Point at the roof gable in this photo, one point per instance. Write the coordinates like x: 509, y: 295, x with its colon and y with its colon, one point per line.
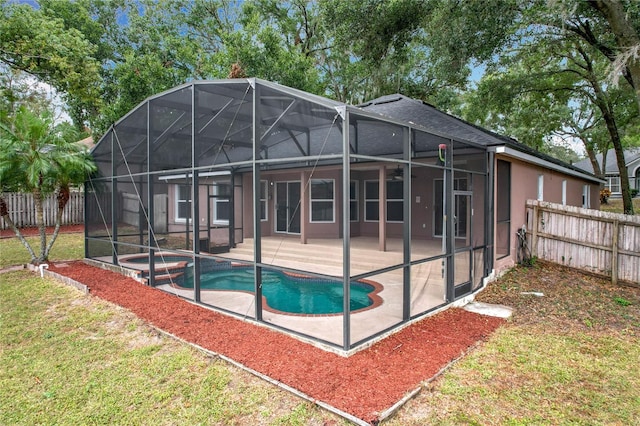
x: 631, y: 155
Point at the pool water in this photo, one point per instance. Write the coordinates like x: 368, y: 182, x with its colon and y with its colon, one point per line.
x: 289, y: 294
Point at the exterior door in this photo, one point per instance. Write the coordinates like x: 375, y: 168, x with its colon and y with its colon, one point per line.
x: 288, y: 207
x: 463, y: 249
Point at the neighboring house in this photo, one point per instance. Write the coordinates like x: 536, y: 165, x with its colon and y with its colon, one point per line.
x: 393, y: 194
x: 87, y: 142
x: 612, y: 173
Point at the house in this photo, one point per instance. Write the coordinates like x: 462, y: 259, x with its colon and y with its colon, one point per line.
x: 334, y: 222
x: 612, y: 173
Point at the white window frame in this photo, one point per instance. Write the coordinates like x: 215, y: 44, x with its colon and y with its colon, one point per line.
x: 371, y: 200
x: 614, y: 184
x: 217, y: 201
x: 586, y: 197
x: 315, y: 201
x: 354, y: 200
x: 394, y: 200
x: 178, y: 201
x: 540, y: 187
x: 564, y: 192
x: 264, y: 200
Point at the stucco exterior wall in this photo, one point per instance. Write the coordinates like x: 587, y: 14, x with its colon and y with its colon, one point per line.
x: 524, y: 186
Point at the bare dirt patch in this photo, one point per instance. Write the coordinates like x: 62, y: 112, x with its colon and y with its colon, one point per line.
x: 570, y: 300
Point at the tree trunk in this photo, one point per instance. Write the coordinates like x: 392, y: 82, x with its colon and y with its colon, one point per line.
x: 626, y: 36
x: 4, y: 212
x: 597, y: 170
x: 619, y: 150
x: 62, y: 197
x: 38, y: 201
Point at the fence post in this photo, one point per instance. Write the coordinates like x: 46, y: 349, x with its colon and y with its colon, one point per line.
x: 534, y: 231
x: 614, y: 253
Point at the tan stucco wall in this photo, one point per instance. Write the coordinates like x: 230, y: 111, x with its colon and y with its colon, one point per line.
x: 524, y: 186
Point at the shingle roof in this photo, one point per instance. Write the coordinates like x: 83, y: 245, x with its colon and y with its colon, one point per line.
x: 418, y: 112
x: 411, y: 110
x: 611, y: 168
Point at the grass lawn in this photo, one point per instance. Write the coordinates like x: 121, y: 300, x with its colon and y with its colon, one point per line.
x: 614, y: 205
x: 569, y: 357
x: 66, y: 247
x: 68, y: 359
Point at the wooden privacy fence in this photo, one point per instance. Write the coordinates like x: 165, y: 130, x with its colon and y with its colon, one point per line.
x: 603, y: 243
x: 23, y: 212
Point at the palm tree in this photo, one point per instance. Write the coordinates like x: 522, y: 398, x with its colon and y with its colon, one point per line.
x: 40, y: 158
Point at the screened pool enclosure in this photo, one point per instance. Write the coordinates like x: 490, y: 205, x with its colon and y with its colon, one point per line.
x: 273, y: 204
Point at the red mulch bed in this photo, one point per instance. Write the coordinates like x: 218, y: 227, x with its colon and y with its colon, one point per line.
x: 29, y: 232
x: 364, y: 384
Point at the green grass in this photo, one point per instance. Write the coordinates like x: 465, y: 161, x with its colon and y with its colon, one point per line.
x: 566, y: 358
x: 614, y: 205
x: 577, y: 379
x: 66, y: 247
x: 69, y: 359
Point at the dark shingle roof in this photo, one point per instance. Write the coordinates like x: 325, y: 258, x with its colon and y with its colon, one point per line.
x: 418, y: 112
x: 611, y: 168
x: 412, y: 110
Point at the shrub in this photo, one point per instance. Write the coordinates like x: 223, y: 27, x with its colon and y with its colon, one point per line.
x: 604, y: 195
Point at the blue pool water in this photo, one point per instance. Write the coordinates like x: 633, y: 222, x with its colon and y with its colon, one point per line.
x: 289, y: 294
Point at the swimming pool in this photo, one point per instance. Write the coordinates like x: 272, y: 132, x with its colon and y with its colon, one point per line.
x: 290, y: 294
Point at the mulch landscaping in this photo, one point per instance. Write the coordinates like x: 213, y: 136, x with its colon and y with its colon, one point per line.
x: 363, y: 385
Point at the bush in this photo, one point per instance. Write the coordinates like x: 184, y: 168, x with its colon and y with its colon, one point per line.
x: 604, y: 195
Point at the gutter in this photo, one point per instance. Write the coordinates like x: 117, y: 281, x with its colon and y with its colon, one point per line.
x: 510, y: 152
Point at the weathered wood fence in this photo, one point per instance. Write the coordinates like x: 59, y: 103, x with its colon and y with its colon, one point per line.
x: 602, y: 243
x: 23, y: 213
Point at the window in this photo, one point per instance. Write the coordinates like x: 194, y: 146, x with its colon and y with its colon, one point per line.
x: 353, y: 201
x: 221, y: 192
x: 613, y: 183
x: 540, y: 187
x: 322, y: 204
x: 586, y: 197
x: 264, y: 195
x: 371, y: 211
x: 395, y: 201
x: 564, y: 192
x: 183, y: 203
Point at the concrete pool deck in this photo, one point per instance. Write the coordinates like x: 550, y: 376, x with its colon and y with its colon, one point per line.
x: 324, y: 256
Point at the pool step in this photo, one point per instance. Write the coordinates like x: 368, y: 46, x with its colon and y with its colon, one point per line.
x: 300, y: 257
x: 166, y: 274
x: 167, y: 278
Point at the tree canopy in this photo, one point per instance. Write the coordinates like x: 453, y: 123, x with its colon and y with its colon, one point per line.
x: 40, y: 158
x: 553, y: 70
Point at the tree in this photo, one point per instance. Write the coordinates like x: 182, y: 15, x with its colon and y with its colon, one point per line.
x: 32, y: 42
x: 378, y: 47
x: 583, y: 34
x: 554, y: 88
x: 40, y: 159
